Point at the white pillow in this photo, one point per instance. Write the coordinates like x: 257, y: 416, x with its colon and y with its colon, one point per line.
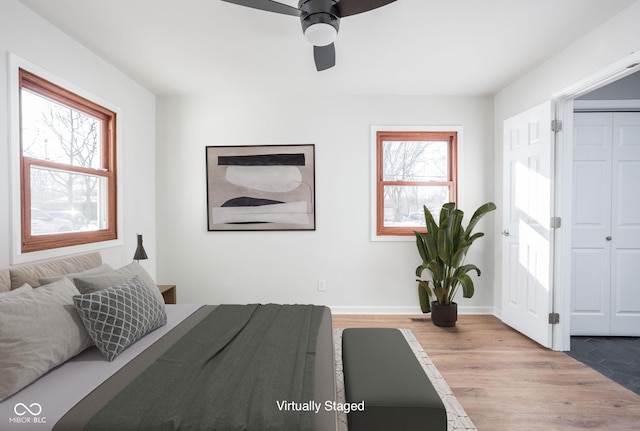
x: 18, y: 291
x: 39, y: 330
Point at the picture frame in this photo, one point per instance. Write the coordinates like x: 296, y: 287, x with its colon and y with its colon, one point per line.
x: 261, y: 187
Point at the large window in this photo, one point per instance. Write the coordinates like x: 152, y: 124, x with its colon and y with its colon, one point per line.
x: 68, y: 167
x: 413, y: 169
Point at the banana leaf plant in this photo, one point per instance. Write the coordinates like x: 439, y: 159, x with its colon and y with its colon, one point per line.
x: 443, y: 248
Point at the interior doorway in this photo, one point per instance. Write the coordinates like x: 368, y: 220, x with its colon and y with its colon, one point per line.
x: 566, y: 100
x: 519, y: 293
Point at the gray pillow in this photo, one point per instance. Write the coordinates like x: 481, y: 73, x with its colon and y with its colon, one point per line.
x: 93, y: 283
x: 39, y: 330
x: 102, y: 269
x: 19, y: 291
x: 119, y: 316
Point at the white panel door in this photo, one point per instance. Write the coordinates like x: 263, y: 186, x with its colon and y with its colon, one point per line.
x: 625, y: 231
x: 591, y: 224
x: 526, y: 251
x: 605, y: 293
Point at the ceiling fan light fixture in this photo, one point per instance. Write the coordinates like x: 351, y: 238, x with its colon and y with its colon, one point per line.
x: 320, y: 21
x: 321, y: 34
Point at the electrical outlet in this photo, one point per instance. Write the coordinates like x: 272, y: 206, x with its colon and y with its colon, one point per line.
x: 322, y: 285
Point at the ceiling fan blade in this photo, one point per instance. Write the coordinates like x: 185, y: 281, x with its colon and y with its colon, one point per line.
x: 353, y: 7
x: 325, y: 56
x: 268, y: 5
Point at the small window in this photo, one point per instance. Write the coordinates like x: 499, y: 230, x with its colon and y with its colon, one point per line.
x: 413, y: 169
x: 68, y: 167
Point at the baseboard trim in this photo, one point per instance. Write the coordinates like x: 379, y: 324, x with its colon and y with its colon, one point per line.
x: 345, y: 309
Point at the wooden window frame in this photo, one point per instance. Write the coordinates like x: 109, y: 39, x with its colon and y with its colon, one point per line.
x: 452, y: 173
x: 107, y: 170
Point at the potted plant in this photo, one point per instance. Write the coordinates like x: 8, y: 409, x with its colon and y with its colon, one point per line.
x: 443, y: 248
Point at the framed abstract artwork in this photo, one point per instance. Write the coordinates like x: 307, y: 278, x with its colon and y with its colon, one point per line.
x: 261, y: 187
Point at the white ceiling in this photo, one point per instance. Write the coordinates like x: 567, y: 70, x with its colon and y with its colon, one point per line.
x: 453, y: 47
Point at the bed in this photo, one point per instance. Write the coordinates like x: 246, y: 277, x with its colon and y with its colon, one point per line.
x: 184, y: 366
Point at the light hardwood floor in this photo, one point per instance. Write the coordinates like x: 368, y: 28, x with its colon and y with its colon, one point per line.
x: 507, y: 382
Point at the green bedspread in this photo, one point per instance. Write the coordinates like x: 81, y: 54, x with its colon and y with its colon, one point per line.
x: 232, y: 371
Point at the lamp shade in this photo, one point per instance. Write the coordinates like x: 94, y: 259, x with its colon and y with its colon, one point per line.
x: 140, y: 254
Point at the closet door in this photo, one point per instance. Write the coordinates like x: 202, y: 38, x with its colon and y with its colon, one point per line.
x: 591, y: 224
x: 605, y: 291
x: 625, y: 232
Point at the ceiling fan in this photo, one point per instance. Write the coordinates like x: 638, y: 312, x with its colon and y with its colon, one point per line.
x: 320, y: 21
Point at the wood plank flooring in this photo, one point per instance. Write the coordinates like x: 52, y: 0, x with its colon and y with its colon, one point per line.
x: 506, y: 382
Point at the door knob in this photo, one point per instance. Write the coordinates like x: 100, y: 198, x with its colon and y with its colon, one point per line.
x: 505, y: 232
x: 608, y: 238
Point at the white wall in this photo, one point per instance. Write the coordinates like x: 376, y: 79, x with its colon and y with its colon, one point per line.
x: 26, y: 35
x: 239, y: 267
x: 605, y: 45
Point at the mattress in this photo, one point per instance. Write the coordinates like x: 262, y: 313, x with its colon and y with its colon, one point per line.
x: 42, y: 404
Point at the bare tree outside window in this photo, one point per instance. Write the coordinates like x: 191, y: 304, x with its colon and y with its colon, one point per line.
x: 413, y: 161
x: 68, y: 175
x: 414, y: 169
x: 58, y: 133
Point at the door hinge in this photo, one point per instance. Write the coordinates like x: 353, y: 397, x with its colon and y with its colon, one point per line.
x: 556, y: 222
x: 556, y: 125
x: 554, y: 318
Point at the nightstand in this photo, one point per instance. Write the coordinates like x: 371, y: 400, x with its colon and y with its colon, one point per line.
x: 168, y: 293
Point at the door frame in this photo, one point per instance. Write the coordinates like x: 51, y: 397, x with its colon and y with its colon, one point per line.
x: 563, y: 173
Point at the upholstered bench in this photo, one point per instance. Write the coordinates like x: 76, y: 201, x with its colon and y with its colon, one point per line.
x: 381, y: 369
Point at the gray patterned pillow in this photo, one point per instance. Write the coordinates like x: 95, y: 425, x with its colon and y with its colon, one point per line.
x: 119, y: 316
